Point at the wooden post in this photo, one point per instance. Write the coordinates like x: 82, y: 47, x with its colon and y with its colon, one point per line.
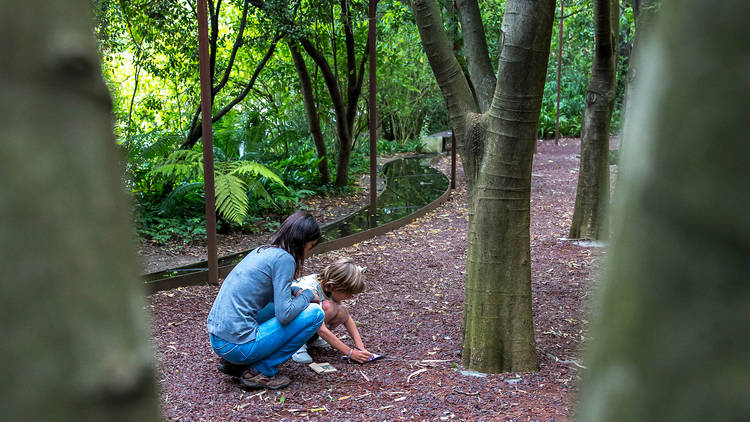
x: 373, y: 110
x: 208, y: 154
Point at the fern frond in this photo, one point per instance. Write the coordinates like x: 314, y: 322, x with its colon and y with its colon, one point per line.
x: 256, y: 189
x: 231, y: 197
x: 160, y: 147
x: 149, y: 146
x: 255, y: 169
x: 180, y: 195
x: 181, y: 165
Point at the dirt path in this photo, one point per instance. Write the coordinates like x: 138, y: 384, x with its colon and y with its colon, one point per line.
x: 411, y: 311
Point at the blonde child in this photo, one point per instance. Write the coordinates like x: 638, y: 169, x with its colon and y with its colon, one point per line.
x: 336, y: 283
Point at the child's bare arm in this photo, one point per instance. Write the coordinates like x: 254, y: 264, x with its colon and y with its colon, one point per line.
x: 351, y: 327
x: 353, y: 353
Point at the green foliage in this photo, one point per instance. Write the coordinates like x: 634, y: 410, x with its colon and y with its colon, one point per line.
x: 299, y: 170
x: 234, y: 181
x: 155, y: 224
x: 265, y: 160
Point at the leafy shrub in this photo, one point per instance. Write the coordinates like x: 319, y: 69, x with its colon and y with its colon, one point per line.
x: 160, y: 227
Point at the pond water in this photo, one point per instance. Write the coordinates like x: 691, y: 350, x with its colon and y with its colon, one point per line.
x: 410, y: 185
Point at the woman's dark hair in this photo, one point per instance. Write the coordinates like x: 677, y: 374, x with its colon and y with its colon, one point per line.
x: 294, y: 233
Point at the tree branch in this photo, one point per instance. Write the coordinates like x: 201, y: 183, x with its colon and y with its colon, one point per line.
x: 450, y: 78
x: 237, y: 43
x: 477, y: 53
x: 331, y: 83
x: 195, y: 132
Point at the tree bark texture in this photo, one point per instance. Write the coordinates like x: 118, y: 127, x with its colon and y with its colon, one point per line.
x: 672, y: 327
x: 497, y: 150
x: 76, y: 338
x: 312, y: 115
x: 592, y: 194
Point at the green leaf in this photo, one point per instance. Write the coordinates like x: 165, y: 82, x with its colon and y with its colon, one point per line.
x: 254, y: 169
x: 231, y: 199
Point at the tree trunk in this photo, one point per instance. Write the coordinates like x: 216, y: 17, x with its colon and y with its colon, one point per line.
x: 345, y: 109
x: 672, y: 327
x: 76, y: 334
x: 312, y: 115
x: 644, y: 13
x: 497, y: 150
x: 592, y: 194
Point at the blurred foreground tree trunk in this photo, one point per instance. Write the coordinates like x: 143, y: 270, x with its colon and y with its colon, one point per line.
x: 672, y: 330
x: 592, y: 194
x: 75, y: 334
x: 496, y: 148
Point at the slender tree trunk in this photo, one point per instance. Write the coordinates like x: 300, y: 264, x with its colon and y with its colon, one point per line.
x: 592, y: 195
x: 496, y: 149
x: 672, y: 327
x: 76, y: 337
x: 312, y: 115
x: 345, y: 109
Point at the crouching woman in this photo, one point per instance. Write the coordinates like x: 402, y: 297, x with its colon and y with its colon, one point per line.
x: 250, y: 343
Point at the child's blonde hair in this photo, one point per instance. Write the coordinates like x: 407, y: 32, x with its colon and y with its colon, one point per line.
x: 342, y: 276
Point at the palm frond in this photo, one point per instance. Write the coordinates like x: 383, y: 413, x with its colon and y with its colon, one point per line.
x: 231, y: 197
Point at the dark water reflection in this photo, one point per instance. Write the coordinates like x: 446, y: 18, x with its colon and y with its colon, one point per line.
x: 410, y: 185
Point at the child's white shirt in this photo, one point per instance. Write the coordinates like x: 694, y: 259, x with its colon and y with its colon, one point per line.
x: 310, y: 282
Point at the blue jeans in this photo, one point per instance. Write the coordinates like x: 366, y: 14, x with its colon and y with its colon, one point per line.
x: 274, y: 343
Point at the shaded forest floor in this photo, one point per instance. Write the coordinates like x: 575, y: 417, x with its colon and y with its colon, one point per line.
x: 411, y: 311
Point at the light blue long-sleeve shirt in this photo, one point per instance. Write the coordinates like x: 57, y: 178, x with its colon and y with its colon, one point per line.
x: 263, y: 276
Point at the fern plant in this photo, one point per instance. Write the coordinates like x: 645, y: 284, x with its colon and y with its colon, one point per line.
x: 235, y: 182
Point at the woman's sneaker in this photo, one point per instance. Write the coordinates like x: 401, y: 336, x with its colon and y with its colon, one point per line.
x: 301, y: 355
x: 254, y: 379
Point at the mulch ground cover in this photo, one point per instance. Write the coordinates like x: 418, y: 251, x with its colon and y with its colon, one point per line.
x: 412, y: 311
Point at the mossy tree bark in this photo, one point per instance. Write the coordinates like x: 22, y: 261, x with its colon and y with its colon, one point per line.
x: 672, y: 328
x: 496, y: 150
x: 592, y: 194
x: 75, y: 334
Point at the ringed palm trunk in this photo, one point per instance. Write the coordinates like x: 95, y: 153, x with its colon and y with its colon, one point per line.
x: 592, y: 194
x: 497, y: 150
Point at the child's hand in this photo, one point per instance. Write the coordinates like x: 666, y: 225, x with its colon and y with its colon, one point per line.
x: 360, y: 356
